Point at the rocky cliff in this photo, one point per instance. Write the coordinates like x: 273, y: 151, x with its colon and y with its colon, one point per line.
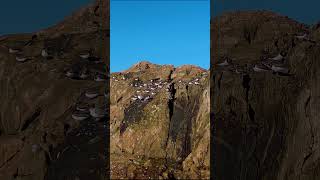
x: 54, y: 91
x: 52, y: 86
x: 159, y: 122
x: 265, y: 97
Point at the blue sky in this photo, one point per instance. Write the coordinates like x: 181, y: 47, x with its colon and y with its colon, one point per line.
x: 20, y: 16
x: 305, y: 11
x: 162, y: 32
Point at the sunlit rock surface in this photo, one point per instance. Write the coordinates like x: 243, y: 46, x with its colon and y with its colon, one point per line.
x: 159, y: 122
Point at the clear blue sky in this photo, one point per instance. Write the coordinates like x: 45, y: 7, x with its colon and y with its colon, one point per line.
x: 305, y: 11
x: 24, y: 16
x: 162, y: 32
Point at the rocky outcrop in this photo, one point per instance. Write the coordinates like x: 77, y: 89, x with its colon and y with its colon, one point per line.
x: 159, y: 122
x: 265, y: 98
x: 43, y: 81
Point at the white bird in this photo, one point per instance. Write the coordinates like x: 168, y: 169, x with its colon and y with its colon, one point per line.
x: 44, y: 53
x: 79, y: 116
x: 137, y: 91
x: 136, y: 79
x: 153, y: 93
x: 140, y: 97
x: 152, y: 88
x: 91, y: 95
x: 146, y: 91
x: 279, y: 57
x: 134, y: 98
x: 190, y: 83
x: 197, y: 83
x: 257, y: 69
x: 13, y: 51
x: 148, y: 97
x: 21, y: 59
x: 82, y: 108
x: 144, y: 85
x: 304, y: 36
x: 70, y: 74
x: 84, y: 55
x: 197, y: 79
x: 279, y: 69
x: 225, y: 63
x: 180, y: 81
x: 84, y: 75
x: 97, y: 112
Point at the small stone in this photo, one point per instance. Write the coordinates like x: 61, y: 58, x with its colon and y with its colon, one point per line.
x: 147, y: 164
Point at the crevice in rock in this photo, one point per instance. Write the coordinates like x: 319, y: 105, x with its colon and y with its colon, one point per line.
x: 119, y: 99
x: 95, y: 11
x: 172, y: 92
x: 310, y: 148
x: 246, y: 34
x: 44, y: 137
x: 276, y: 44
x: 31, y: 119
x: 170, y: 76
x: 66, y: 128
x: 171, y: 176
x: 306, y: 106
x: 9, y: 159
x: 305, y: 159
x: 219, y: 80
x: 251, y: 113
x: 246, y: 85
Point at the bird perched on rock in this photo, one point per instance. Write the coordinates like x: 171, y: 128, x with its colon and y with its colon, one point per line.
x: 224, y: 63
x: 22, y: 58
x: 302, y: 37
x: 82, y: 107
x: 279, y: 57
x: 85, y: 54
x: 91, y: 93
x: 79, y: 115
x: 279, y: 69
x: 260, y: 68
x: 15, y: 50
x: 98, y: 112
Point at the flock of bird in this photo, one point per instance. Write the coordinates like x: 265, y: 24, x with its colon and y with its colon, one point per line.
x: 275, y: 64
x: 83, y: 109
x: 77, y: 71
x: 146, y: 90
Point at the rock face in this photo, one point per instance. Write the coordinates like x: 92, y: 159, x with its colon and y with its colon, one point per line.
x: 43, y: 81
x: 159, y: 122
x: 266, y: 121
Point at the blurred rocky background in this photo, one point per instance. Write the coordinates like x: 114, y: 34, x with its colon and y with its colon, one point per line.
x: 264, y: 96
x: 53, y: 91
